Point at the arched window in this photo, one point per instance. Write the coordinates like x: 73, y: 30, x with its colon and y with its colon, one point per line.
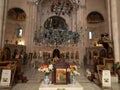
x: 55, y: 22
x: 17, y: 14
x: 95, y: 17
x: 20, y: 32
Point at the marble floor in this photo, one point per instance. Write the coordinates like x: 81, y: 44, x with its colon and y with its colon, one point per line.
x: 35, y: 77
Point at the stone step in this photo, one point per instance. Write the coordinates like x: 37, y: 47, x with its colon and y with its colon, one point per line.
x: 114, y: 78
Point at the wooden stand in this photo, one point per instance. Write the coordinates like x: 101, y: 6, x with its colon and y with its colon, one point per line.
x: 60, y: 74
x: 8, y: 65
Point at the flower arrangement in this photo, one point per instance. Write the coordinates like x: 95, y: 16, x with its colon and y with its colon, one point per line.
x: 73, y: 70
x: 47, y: 69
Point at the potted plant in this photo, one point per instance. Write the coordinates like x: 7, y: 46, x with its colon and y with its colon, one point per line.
x: 117, y: 70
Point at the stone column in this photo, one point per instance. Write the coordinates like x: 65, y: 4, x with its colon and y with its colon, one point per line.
x: 109, y: 18
x: 1, y: 20
x: 31, y: 26
x: 33, y: 22
x: 28, y: 28
x: 115, y: 30
x: 82, y: 30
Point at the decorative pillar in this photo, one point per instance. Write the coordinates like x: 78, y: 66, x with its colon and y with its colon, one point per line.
x: 28, y: 30
x: 115, y: 30
x: 34, y: 24
x: 1, y: 20
x: 31, y: 25
x: 3, y: 9
x: 109, y: 19
x: 82, y: 29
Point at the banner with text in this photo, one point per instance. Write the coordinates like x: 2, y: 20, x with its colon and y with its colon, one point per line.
x: 106, y: 78
x: 5, y: 78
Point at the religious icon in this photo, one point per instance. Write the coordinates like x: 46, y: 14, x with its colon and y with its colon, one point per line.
x: 60, y: 75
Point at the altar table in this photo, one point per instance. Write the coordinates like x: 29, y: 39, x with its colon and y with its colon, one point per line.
x: 76, y: 86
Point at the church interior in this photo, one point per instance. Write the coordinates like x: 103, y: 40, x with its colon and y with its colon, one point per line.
x: 59, y: 44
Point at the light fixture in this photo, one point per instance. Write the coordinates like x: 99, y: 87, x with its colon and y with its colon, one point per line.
x: 56, y: 37
x: 64, y: 6
x: 56, y: 32
x: 60, y: 37
x: 21, y: 42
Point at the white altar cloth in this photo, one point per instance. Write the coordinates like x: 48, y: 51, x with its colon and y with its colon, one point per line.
x: 76, y: 86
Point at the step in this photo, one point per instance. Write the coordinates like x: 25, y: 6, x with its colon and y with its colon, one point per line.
x: 114, y: 78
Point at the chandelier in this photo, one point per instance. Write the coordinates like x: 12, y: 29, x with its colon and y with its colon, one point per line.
x: 63, y: 6
x: 56, y: 32
x: 56, y: 37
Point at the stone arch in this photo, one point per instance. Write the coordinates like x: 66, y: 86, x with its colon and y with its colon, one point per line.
x: 6, y: 55
x: 95, y: 17
x: 55, y: 22
x: 16, y: 14
x: 56, y: 52
x: 103, y: 53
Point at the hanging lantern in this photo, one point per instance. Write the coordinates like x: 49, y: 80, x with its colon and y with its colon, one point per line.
x: 63, y: 6
x: 56, y: 13
x: 51, y: 9
x: 63, y: 13
x: 67, y: 3
x: 71, y: 8
x: 59, y: 3
x: 69, y: 11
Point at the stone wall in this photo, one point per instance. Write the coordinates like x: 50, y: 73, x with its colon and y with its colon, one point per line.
x: 36, y: 19
x: 118, y: 11
x: 99, y: 28
x: 118, y: 14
